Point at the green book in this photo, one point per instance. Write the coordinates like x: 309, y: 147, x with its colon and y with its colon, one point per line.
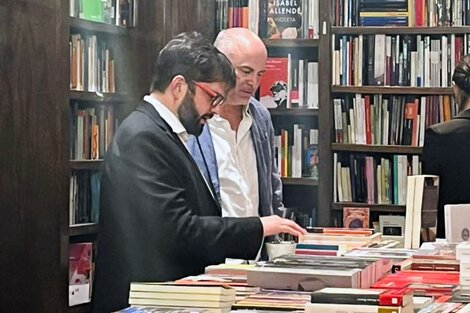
x: 92, y: 10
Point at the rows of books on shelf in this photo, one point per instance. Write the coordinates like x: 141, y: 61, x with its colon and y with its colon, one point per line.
x: 115, y: 12
x: 397, y: 60
x: 389, y: 119
x: 273, y: 19
x: 84, y: 196
x: 92, y: 66
x: 92, y: 128
x: 429, y: 13
x: 296, y: 152
x: 373, y: 179
x: 289, y: 83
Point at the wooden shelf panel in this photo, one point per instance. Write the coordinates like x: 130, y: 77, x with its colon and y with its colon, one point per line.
x: 304, y: 181
x: 79, y: 25
x: 83, y: 229
x: 97, y: 97
x: 391, y: 30
x: 294, y: 112
x: 86, y: 164
x: 376, y: 148
x: 291, y: 43
x: 388, y: 208
x: 393, y: 90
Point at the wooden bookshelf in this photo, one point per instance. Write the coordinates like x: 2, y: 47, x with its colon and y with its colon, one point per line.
x: 291, y: 43
x: 77, y: 24
x: 390, y: 149
x: 87, y: 96
x: 81, y: 308
x: 83, y: 229
x: 86, y: 164
x: 386, y: 208
x: 293, y: 112
x: 303, y: 181
x: 393, y: 30
x: 397, y: 90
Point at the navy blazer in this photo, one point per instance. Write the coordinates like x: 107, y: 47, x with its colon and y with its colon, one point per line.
x: 262, y: 133
x: 158, y: 219
x: 446, y: 153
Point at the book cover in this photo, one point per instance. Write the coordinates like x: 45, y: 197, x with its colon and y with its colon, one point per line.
x: 80, y: 273
x: 356, y: 217
x: 284, y: 19
x: 400, y: 297
x: 457, y: 222
x: 273, y: 85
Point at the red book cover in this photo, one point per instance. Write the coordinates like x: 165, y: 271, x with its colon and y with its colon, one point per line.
x: 80, y: 272
x: 400, y: 297
x: 273, y: 85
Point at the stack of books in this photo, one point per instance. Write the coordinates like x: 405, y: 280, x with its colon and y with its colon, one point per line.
x: 336, y: 240
x: 335, y: 300
x: 267, y: 299
x: 310, y: 273
x: 463, y: 253
x: 425, y: 283
x: 214, y: 299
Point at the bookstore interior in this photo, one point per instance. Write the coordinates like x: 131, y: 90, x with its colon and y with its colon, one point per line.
x: 367, y: 103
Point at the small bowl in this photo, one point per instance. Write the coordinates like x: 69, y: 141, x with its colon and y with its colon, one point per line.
x: 276, y: 249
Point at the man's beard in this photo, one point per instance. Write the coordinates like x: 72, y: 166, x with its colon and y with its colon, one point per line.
x: 189, y: 116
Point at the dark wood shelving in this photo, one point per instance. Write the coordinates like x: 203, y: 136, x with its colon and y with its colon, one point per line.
x: 376, y: 148
x: 97, y: 96
x: 291, y: 43
x: 83, y: 229
x: 81, y: 308
x: 391, y: 30
x: 294, y: 112
x: 86, y: 164
x: 303, y: 181
x: 79, y: 25
x: 402, y: 90
x: 389, y: 208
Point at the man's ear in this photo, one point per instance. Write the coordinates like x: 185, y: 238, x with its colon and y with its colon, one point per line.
x: 178, y: 86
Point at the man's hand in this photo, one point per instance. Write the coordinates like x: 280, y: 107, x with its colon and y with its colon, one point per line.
x: 273, y: 225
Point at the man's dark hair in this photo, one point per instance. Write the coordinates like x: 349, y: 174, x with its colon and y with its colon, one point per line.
x: 192, y: 56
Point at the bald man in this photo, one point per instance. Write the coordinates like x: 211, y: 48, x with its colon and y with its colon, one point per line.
x: 238, y: 158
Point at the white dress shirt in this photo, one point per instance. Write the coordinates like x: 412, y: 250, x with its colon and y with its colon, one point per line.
x: 236, y: 161
x: 170, y: 118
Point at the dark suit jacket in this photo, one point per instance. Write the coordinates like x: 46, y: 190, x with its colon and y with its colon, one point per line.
x: 158, y: 219
x: 446, y: 153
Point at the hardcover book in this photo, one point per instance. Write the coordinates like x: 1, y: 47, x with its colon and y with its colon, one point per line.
x: 457, y: 222
x: 274, y: 83
x: 284, y: 19
x: 355, y: 217
x: 80, y: 273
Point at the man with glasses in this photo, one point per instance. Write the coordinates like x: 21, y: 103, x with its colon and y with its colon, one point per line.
x: 235, y: 150
x: 159, y: 221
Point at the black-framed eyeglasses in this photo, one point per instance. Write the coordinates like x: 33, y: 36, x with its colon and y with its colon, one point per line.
x: 217, y: 98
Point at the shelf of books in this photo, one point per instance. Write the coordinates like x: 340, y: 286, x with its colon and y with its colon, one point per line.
x: 385, y: 208
x: 99, y: 32
x: 391, y: 70
x: 83, y: 229
x: 305, y: 181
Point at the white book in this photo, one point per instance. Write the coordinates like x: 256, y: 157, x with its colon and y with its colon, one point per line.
x: 457, y: 223
x: 444, y: 76
x: 409, y: 213
x: 301, y: 83
x: 379, y: 59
